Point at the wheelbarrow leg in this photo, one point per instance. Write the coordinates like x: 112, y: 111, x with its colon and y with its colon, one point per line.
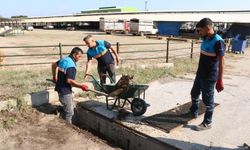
x: 113, y: 105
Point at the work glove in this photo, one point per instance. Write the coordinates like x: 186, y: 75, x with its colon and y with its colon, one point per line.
x: 54, y: 79
x: 219, y: 86
x: 84, y: 87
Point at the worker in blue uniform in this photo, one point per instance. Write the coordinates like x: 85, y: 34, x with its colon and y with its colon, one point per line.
x: 64, y: 74
x: 210, y: 71
x: 100, y: 50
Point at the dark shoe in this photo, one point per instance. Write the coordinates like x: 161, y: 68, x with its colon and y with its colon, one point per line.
x: 203, y: 126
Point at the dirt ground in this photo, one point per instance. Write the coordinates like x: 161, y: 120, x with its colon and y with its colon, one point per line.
x: 54, y: 37
x: 34, y: 131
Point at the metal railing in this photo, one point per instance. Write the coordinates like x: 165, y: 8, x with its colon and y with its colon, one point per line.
x: 169, y: 50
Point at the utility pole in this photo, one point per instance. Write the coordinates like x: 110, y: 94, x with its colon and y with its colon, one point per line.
x: 146, y: 5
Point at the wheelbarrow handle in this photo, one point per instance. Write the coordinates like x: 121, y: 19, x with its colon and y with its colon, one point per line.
x: 106, y: 75
x: 90, y: 76
x: 97, y: 92
x: 94, y: 91
x: 95, y: 80
x: 50, y: 80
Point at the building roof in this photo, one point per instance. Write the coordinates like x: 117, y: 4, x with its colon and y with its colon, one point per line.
x: 111, y: 9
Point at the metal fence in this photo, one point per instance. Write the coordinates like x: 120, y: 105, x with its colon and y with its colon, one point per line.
x: 167, y: 50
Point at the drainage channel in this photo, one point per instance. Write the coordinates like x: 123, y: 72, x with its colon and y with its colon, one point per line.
x: 116, y: 133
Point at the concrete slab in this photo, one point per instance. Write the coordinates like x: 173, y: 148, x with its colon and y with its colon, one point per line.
x: 117, y: 133
x: 230, y: 118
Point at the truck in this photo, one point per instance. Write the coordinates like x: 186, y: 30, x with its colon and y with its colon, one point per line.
x: 142, y: 27
x: 114, y: 25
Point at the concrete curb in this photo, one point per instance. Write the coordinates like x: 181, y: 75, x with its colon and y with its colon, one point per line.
x: 49, y: 96
x: 38, y: 98
x: 115, y: 132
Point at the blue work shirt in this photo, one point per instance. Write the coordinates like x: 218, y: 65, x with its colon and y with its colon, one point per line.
x: 208, y: 64
x: 101, y: 53
x: 66, y: 70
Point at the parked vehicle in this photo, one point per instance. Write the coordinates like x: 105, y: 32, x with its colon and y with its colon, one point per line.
x: 7, y: 28
x: 114, y: 25
x: 48, y: 27
x: 142, y: 27
x: 29, y: 28
x: 71, y: 28
x: 1, y: 29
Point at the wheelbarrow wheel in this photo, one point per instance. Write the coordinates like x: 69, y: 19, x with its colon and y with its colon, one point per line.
x: 138, y: 107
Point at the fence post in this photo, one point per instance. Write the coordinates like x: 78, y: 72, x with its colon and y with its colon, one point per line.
x: 229, y: 45
x: 118, y: 47
x: 167, y: 52
x: 192, y: 49
x: 60, y: 50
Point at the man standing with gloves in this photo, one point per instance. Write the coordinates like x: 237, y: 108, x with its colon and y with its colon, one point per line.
x: 209, y: 73
x: 65, y: 80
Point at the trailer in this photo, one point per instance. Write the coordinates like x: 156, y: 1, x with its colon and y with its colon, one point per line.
x: 142, y: 27
x: 114, y: 25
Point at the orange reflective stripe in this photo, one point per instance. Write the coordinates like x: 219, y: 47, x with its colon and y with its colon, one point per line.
x: 100, y: 55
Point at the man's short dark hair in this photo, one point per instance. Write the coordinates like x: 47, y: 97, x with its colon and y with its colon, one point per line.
x: 204, y: 23
x: 87, y: 37
x: 76, y: 50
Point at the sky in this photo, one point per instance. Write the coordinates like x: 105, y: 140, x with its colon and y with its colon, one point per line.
x: 33, y: 8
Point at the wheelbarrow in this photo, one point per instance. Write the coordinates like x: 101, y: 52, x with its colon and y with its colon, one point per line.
x: 134, y: 95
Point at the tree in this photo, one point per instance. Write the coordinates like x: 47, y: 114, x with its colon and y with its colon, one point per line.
x: 19, y: 17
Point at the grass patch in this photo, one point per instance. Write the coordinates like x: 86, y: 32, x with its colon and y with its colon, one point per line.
x: 8, y: 122
x: 16, y: 83
x: 145, y: 76
x: 9, y: 119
